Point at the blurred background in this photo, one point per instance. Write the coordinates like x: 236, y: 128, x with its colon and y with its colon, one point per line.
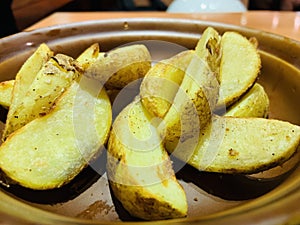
x: 16, y: 15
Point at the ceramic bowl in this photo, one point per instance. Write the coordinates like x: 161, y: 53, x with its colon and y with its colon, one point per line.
x: 270, y: 197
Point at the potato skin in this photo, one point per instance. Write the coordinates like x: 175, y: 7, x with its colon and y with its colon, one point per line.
x: 143, y: 205
x: 23, y: 80
x: 168, y: 74
x: 239, y: 68
x: 121, y: 66
x: 65, y: 139
x: 142, y: 178
x: 197, y: 96
x: 165, y: 75
x: 55, y: 76
x: 86, y: 58
x: 28, y: 72
x: 254, y: 103
x: 61, y: 143
x: 245, y: 145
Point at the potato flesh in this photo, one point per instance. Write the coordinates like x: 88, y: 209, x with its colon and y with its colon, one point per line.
x: 28, y: 71
x: 6, y: 88
x: 52, y: 157
x: 197, y: 95
x: 209, y: 50
x: 49, y: 83
x: 255, y: 103
x: 89, y: 56
x: 169, y: 74
x: 165, y: 75
x: 139, y: 169
x: 245, y: 145
x: 152, y: 208
x: 55, y: 155
x: 85, y: 59
x: 23, y: 80
x: 239, y: 67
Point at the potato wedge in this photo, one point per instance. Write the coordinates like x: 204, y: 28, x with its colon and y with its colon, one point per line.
x: 6, y: 89
x: 197, y: 95
x: 239, y: 68
x: 162, y: 81
x: 25, y: 77
x: 89, y: 56
x: 209, y: 49
x: 49, y: 83
x: 27, y: 73
x: 51, y: 150
x: 254, y: 103
x: 168, y: 74
x: 244, y: 145
x: 119, y: 67
x: 139, y: 169
x: 85, y: 59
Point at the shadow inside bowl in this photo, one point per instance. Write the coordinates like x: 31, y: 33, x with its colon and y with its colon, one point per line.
x: 67, y: 192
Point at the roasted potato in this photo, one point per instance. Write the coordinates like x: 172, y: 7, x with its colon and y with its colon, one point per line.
x: 254, y: 103
x: 24, y: 78
x: 139, y: 169
x: 162, y: 81
x: 244, y: 145
x: 187, y: 134
x: 119, y: 67
x: 89, y: 56
x: 85, y: 59
x: 6, y: 88
x: 49, y: 83
x: 209, y: 50
x: 28, y: 72
x: 65, y: 139
x: 197, y: 95
x: 61, y: 143
x: 174, y: 114
x: 239, y: 68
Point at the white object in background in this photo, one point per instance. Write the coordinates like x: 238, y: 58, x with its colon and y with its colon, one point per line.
x: 190, y: 6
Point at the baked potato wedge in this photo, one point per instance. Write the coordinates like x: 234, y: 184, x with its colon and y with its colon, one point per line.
x: 139, y: 169
x: 162, y: 81
x: 85, y: 59
x: 244, y: 145
x: 61, y: 143
x: 197, y: 95
x: 24, y: 78
x: 239, y: 68
x: 28, y: 72
x: 254, y: 103
x: 6, y: 89
x: 49, y: 83
x: 89, y: 56
x: 119, y: 67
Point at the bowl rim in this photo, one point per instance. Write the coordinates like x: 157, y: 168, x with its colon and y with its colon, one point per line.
x: 268, y: 41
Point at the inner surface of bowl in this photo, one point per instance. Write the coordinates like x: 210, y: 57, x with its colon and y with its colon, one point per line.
x: 212, y: 197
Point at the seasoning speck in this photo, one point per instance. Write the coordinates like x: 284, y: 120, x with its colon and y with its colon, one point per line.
x: 126, y: 26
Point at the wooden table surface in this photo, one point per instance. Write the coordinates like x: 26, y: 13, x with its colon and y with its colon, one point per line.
x: 285, y: 23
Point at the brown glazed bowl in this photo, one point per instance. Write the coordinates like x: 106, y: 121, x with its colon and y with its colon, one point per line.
x: 270, y: 197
